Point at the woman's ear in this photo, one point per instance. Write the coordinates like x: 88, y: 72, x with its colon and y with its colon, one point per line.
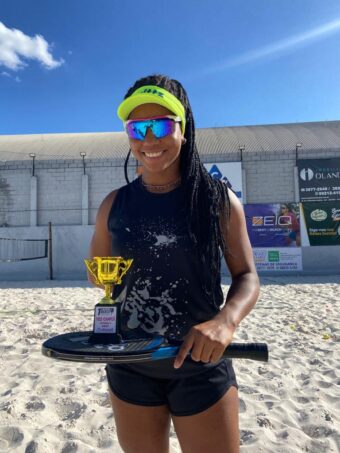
x: 184, y: 140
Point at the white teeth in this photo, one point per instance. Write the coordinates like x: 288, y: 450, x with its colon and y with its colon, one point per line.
x: 154, y: 154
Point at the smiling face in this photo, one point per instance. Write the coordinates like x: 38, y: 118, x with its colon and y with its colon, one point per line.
x: 159, y: 156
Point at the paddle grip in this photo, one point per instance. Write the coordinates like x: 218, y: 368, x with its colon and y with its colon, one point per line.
x: 252, y: 351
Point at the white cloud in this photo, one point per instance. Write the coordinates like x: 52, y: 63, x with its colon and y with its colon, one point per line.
x: 16, y: 46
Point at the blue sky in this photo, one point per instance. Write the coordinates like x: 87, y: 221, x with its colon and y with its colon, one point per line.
x: 65, y: 65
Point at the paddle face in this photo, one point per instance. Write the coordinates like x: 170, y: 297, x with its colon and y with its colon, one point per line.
x: 77, y: 347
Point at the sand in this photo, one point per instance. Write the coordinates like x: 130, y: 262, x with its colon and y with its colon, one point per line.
x: 291, y: 404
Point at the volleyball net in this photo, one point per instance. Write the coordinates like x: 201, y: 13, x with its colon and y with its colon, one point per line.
x: 12, y: 250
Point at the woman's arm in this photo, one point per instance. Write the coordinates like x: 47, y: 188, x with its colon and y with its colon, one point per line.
x: 208, y: 340
x: 244, y: 289
x: 101, y: 244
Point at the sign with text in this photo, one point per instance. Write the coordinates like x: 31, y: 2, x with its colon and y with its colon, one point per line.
x: 105, y: 319
x: 322, y: 221
x: 319, y: 179
x: 228, y: 172
x: 273, y: 225
x: 279, y: 259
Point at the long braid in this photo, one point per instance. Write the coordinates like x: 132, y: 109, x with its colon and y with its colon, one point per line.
x: 126, y: 166
x: 207, y: 199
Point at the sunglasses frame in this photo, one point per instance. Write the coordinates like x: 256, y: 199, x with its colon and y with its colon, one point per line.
x: 174, y: 118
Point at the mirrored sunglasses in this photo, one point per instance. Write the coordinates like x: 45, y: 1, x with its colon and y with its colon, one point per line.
x: 160, y: 126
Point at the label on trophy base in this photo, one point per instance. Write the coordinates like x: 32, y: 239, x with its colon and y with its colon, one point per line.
x: 105, y: 319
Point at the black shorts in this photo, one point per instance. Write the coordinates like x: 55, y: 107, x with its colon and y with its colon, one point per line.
x: 187, y: 395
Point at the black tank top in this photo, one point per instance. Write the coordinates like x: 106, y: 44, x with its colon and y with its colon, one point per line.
x: 162, y: 292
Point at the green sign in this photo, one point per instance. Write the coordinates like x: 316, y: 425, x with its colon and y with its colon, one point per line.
x: 273, y: 256
x: 322, y: 222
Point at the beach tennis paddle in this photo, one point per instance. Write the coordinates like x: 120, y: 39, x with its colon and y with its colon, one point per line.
x: 75, y: 347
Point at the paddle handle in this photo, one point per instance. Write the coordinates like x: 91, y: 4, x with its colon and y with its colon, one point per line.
x: 252, y: 351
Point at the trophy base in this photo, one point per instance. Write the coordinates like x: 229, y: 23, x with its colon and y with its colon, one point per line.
x: 105, y: 338
x: 106, y: 324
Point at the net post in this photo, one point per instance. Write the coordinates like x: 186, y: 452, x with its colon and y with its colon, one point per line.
x: 85, y: 199
x: 50, y: 265
x: 33, y: 201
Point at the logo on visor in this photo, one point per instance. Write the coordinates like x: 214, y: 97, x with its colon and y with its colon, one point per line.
x: 153, y: 91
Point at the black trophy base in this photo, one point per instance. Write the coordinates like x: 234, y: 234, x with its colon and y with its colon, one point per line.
x: 105, y: 338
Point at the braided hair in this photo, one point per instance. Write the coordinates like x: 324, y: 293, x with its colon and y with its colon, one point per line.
x: 207, y: 200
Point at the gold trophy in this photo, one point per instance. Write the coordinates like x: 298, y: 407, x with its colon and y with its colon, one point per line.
x: 107, y: 271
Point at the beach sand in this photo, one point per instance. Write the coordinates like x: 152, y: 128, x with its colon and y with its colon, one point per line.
x: 290, y: 404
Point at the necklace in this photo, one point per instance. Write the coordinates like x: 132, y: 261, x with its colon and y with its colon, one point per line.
x: 163, y: 187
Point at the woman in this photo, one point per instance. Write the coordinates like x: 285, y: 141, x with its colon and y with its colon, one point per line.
x: 289, y: 220
x: 173, y: 221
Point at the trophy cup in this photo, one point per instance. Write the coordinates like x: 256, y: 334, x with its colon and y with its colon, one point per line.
x: 107, y: 271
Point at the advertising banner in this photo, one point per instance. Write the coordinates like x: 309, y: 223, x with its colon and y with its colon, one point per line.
x: 319, y: 179
x: 228, y: 172
x: 322, y: 222
x: 280, y: 259
x: 273, y: 225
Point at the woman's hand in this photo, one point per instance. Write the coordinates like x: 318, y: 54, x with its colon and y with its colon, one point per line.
x: 206, y: 342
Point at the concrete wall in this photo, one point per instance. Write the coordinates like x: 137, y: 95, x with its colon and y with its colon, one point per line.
x: 269, y: 177
x: 14, y: 197
x: 62, y: 199
x: 59, y: 190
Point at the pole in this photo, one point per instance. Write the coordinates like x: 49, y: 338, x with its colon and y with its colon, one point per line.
x: 50, y: 262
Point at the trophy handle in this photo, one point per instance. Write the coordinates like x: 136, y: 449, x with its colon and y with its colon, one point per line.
x: 92, y: 267
x: 123, y: 267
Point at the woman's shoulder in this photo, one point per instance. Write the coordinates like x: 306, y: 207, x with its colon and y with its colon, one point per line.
x: 233, y: 213
x: 234, y: 202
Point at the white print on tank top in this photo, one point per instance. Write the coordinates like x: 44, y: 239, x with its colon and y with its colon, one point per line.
x: 152, y: 302
x: 153, y: 314
x: 164, y: 240
x: 159, y: 242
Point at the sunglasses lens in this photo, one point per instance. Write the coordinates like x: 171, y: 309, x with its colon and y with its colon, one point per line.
x: 135, y: 130
x: 160, y: 127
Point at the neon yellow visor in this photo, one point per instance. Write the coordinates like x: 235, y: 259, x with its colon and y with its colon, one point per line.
x: 151, y: 94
